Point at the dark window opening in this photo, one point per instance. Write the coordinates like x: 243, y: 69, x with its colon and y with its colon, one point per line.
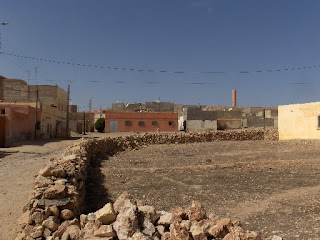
x: 3, y: 111
x: 128, y: 123
x: 38, y: 125
x: 171, y: 123
x: 154, y: 123
x: 318, y: 122
x: 141, y: 123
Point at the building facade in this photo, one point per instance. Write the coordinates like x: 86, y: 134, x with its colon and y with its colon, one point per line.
x: 141, y: 122
x: 299, y: 121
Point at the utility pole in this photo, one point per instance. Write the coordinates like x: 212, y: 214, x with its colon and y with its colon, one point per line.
x: 84, y: 123
x: 68, y: 131
x: 36, y: 123
x: 3, y: 23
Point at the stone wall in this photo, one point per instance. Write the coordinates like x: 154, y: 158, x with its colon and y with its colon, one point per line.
x: 58, y: 199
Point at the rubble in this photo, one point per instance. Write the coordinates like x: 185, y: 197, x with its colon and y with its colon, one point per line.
x: 58, y: 198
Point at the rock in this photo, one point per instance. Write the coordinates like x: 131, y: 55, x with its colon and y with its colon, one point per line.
x: 168, y: 218
x: 196, y: 211
x: 180, y: 212
x: 46, y: 171
x: 61, y: 229
x: 89, y: 229
x: 106, y: 214
x: 120, y: 201
x: 165, y: 236
x: 199, y: 229
x: 58, y: 173
x: 148, y: 212
x: 50, y: 224
x: 126, y: 222
x: 62, y: 202
x: 186, y: 224
x: 160, y: 229
x: 66, y: 214
x: 105, y: 231
x: 140, y: 236
x: 41, y: 181
x: 148, y: 227
x: 46, y: 233
x: 56, y: 191
x: 178, y: 232
x: 54, y: 211
x: 37, y: 232
x: 74, y: 232
x: 276, y: 238
x: 37, y: 217
x: 25, y: 219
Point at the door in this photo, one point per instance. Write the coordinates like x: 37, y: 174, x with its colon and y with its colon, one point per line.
x: 113, y: 126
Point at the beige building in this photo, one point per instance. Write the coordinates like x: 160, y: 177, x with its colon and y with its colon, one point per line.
x: 299, y: 121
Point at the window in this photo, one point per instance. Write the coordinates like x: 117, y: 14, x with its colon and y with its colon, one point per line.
x: 171, y: 123
x: 3, y: 111
x: 319, y: 122
x: 128, y: 123
x: 154, y: 123
x: 141, y: 123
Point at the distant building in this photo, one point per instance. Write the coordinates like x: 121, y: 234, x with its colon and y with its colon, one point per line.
x: 51, y: 102
x: 299, y: 121
x: 141, y: 122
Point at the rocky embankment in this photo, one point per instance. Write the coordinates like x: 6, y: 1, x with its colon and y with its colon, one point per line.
x: 58, y: 199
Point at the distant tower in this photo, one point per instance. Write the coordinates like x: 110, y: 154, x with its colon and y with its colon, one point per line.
x: 234, y: 98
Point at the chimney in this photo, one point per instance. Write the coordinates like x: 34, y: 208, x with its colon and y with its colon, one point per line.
x: 234, y: 98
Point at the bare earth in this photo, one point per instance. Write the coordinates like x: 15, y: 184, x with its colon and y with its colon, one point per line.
x: 272, y: 187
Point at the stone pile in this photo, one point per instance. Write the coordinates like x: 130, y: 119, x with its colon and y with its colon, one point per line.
x: 58, y: 197
x: 131, y: 219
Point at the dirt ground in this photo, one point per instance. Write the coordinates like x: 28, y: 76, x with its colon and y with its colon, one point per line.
x: 18, y: 167
x: 272, y: 187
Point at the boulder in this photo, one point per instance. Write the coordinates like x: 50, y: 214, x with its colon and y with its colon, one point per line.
x: 196, y: 211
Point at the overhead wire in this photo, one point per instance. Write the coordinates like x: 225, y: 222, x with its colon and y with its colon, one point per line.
x: 154, y: 70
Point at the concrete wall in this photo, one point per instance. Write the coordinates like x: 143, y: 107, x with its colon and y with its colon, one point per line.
x: 201, y: 125
x: 2, y: 130
x: 223, y: 124
x: 299, y: 121
x: 159, y: 106
x: 195, y: 113
x: 234, y: 114
x: 260, y: 122
x: 162, y: 120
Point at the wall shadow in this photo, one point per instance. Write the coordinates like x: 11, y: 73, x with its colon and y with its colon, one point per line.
x: 96, y: 193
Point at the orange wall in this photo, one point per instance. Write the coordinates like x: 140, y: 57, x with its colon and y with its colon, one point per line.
x: 162, y: 119
x: 19, y: 123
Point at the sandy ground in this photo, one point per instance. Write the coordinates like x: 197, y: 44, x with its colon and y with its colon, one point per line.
x: 272, y: 187
x: 18, y: 166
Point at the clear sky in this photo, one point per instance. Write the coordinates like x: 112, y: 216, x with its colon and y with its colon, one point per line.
x: 189, y: 39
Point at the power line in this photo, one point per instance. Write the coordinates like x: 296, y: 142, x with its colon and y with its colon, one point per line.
x: 154, y: 70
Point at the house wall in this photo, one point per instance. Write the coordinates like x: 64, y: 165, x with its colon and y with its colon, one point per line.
x: 299, y: 121
x: 162, y: 120
x: 14, y: 90
x: 201, y: 125
x: 223, y: 124
x: 19, y: 122
x: 2, y: 130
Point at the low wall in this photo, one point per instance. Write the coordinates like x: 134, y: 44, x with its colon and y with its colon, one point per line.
x: 58, y: 199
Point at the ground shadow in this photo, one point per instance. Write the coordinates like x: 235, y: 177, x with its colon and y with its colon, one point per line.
x: 96, y: 193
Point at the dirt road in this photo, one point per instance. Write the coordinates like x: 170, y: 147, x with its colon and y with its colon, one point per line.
x: 18, y: 166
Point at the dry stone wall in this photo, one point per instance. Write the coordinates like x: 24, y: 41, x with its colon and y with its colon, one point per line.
x: 55, y: 205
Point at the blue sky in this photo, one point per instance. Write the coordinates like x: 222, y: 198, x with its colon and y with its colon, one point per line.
x: 232, y: 37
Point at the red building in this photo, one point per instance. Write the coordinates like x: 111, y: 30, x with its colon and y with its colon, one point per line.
x: 141, y: 122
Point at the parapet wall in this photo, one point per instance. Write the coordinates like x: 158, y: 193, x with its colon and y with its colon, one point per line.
x: 58, y: 198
